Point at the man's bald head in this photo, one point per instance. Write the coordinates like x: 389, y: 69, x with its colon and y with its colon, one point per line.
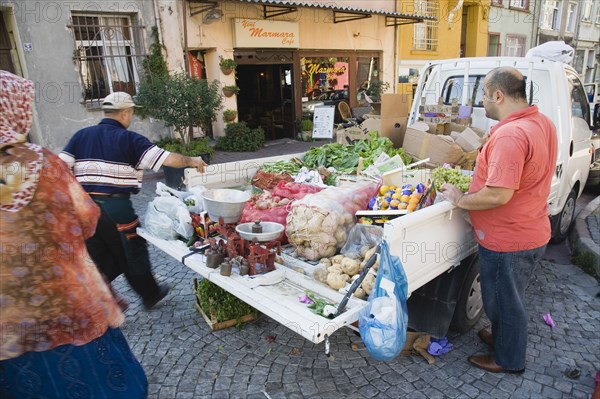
x: 509, y: 81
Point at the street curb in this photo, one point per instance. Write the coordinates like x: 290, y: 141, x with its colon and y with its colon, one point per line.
x: 580, y: 239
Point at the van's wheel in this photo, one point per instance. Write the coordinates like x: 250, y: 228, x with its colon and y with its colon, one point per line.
x: 564, y: 220
x: 469, y: 306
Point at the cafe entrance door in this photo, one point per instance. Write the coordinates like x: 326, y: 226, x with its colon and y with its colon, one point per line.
x: 266, y: 97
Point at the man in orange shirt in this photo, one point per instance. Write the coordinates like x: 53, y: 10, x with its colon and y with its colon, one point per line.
x: 507, y: 202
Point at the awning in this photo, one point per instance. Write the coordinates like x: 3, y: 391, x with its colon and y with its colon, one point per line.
x: 275, y: 8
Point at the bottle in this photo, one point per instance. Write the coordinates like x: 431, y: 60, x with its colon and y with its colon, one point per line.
x: 256, y: 227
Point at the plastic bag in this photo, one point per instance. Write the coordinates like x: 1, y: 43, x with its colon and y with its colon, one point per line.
x: 192, y: 199
x: 382, y: 323
x: 267, y: 181
x: 294, y: 190
x: 555, y: 51
x: 318, y: 224
x: 177, y: 222
x: 361, y: 238
x: 158, y: 223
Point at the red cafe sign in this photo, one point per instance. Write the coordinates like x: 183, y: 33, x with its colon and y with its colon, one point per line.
x: 268, y: 34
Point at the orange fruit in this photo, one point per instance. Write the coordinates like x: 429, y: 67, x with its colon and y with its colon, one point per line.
x: 411, y: 207
x: 394, y: 204
x: 413, y: 200
x: 404, y: 198
x: 396, y: 196
x: 383, y: 189
x: 402, y: 205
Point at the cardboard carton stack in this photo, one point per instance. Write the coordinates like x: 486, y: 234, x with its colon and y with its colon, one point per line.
x: 444, y: 135
x: 390, y: 123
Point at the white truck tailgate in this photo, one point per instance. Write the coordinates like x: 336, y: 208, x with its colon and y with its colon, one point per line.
x: 275, y: 293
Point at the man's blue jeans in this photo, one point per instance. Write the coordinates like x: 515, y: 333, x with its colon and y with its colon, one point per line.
x: 504, y: 277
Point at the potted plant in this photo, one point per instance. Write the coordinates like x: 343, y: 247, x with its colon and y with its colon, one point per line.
x: 374, y: 91
x: 219, y: 308
x: 182, y: 102
x: 227, y: 65
x: 306, y: 127
x: 229, y: 115
x: 230, y: 90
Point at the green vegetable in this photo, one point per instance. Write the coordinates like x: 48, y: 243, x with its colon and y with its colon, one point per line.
x: 345, y: 158
x: 218, y: 303
x: 318, y: 305
x: 290, y: 167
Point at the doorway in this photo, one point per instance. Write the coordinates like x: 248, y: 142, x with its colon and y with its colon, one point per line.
x: 266, y: 98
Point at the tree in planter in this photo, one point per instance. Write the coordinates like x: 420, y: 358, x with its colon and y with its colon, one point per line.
x: 239, y: 137
x: 181, y: 102
x: 197, y: 147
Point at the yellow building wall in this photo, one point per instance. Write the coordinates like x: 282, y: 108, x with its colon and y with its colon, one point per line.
x: 449, y: 32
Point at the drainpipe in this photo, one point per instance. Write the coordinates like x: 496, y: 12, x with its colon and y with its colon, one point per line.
x: 535, y: 25
x: 157, y: 21
x: 454, y: 10
x: 185, y: 39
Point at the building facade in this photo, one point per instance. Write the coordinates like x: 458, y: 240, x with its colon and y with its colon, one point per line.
x: 459, y: 30
x: 76, y: 52
x: 290, y: 56
x: 512, y: 27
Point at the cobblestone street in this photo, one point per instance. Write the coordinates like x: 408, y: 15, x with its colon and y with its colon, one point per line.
x: 184, y: 359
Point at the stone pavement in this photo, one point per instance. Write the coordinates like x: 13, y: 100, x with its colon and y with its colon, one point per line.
x: 184, y: 359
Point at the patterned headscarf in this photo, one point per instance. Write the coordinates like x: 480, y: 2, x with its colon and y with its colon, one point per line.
x: 20, y: 162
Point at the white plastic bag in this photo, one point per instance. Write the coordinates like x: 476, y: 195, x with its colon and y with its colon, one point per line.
x: 192, y: 199
x: 180, y: 221
x: 158, y: 223
x: 555, y: 51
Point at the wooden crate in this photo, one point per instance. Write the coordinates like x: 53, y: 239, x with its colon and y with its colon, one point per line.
x: 215, y: 326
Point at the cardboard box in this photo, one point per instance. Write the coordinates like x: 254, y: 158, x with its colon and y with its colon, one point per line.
x: 468, y: 140
x: 394, y: 129
x: 439, y: 149
x: 395, y: 105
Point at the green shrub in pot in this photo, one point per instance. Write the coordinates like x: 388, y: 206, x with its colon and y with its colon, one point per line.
x: 239, y: 137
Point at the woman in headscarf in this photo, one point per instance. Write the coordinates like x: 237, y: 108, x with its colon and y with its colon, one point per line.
x: 59, y: 334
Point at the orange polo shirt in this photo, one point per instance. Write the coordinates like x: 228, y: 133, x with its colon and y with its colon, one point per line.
x: 521, y: 155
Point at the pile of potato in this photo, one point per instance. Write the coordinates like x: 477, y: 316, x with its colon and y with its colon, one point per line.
x: 340, y: 270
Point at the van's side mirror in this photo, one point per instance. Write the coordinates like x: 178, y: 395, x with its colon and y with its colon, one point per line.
x: 596, y: 117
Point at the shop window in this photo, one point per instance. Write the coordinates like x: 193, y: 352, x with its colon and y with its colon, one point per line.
x: 325, y: 81
x: 106, y: 54
x: 494, y: 45
x: 515, y: 46
x: 426, y: 33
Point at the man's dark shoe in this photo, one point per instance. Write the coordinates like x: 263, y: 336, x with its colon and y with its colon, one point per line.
x: 487, y: 363
x: 163, y: 290
x: 486, y: 336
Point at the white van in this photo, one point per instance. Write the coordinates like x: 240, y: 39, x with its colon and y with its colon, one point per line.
x: 554, y: 87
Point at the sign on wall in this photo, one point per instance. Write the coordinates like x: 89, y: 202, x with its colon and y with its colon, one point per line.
x: 267, y: 34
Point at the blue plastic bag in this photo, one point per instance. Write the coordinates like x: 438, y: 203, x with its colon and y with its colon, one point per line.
x: 382, y: 323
